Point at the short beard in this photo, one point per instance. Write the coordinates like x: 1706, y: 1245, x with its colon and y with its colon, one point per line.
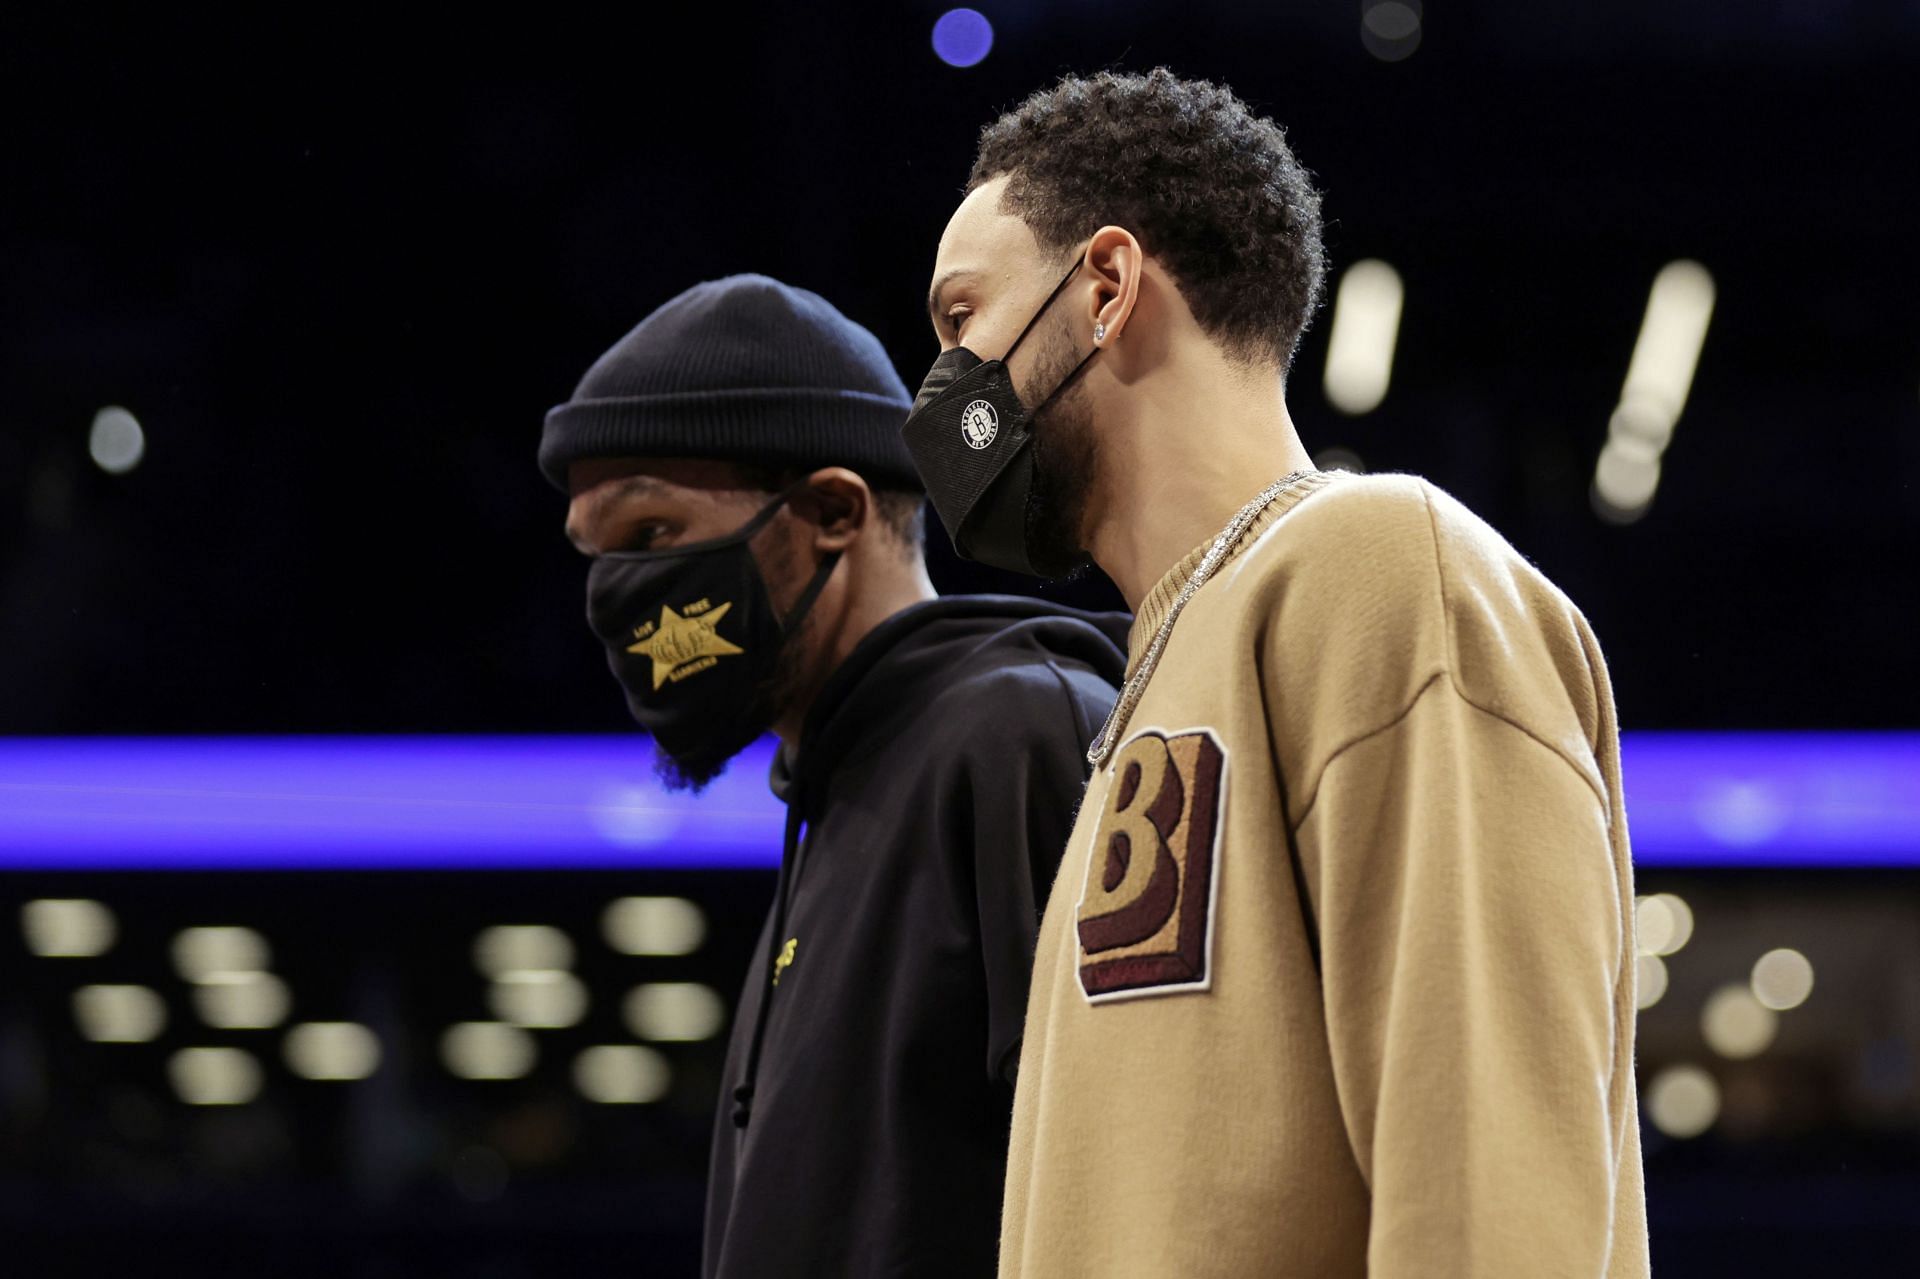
x: 774, y: 697
x: 1063, y: 462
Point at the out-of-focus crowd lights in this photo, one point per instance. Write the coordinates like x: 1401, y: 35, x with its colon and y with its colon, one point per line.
x: 622, y: 1074
x: 116, y: 442
x: 674, y: 1011
x: 1650, y: 979
x: 541, y: 999
x: 1360, y: 343
x: 1663, y: 923
x: 214, y: 1076
x: 67, y: 928
x: 508, y: 948
x: 1659, y: 378
x: 1683, y: 1101
x: 242, y: 1001
x: 1390, y: 29
x: 119, y: 1014
x: 488, y: 1050
x: 1736, y: 1025
x: 332, y: 1050
x: 654, y: 926
x: 201, y: 954
x: 1782, y: 979
x: 1338, y: 458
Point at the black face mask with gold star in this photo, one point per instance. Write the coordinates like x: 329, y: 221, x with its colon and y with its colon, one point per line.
x: 693, y: 639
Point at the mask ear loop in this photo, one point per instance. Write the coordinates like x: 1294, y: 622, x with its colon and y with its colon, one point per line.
x: 798, y: 612
x: 1078, y: 369
x: 1064, y: 281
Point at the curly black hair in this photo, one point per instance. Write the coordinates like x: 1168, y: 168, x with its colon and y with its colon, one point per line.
x: 1211, y: 190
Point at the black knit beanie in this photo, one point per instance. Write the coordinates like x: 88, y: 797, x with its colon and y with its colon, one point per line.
x: 746, y: 369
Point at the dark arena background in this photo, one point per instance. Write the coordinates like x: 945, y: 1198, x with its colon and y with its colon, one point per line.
x: 344, y: 930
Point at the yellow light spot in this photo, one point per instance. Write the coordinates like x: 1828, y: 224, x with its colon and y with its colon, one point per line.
x: 214, y: 1076
x: 1663, y: 923
x: 332, y: 1050
x: 675, y: 1011
x: 119, y: 1014
x: 1650, y: 979
x: 201, y: 953
x: 622, y: 1074
x: 488, y: 1050
x: 654, y: 926
x: 242, y: 1001
x: 1782, y: 979
x: 67, y: 928
x: 1736, y: 1024
x: 1683, y: 1101
x: 539, y: 1000
x: 507, y: 948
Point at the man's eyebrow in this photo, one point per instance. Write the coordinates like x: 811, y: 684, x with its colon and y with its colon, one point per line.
x: 940, y: 285
x: 627, y: 486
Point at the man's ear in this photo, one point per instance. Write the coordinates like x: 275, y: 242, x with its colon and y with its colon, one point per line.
x: 1115, y: 260
x: 838, y: 503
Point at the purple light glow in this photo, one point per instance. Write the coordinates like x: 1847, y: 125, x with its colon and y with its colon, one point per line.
x: 1694, y: 799
x: 365, y: 802
x: 1773, y: 799
x: 962, y: 37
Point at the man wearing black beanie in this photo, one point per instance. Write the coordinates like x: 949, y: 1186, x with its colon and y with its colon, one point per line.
x: 735, y: 472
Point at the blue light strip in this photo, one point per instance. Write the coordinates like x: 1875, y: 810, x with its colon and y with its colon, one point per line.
x: 278, y: 803
x: 1693, y: 799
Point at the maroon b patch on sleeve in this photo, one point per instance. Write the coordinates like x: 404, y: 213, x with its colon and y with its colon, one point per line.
x: 1145, y: 919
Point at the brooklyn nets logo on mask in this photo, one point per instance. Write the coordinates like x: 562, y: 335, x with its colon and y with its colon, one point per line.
x: 979, y: 424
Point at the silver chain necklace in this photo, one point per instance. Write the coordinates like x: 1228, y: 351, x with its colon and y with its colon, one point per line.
x: 1209, y: 563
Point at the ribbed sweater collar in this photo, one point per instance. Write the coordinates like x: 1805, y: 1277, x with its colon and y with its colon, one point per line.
x: 1159, y: 601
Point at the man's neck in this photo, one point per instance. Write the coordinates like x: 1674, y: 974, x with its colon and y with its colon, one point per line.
x: 874, y: 597
x: 1196, y: 450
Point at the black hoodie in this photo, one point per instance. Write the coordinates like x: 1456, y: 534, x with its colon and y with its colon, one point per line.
x: 869, y: 1082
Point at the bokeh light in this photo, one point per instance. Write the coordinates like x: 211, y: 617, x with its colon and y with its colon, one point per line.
x: 539, y: 1000
x: 116, y: 442
x: 242, y: 1001
x: 621, y: 1074
x: 962, y: 37
x: 332, y: 1050
x: 1737, y: 1025
x: 670, y: 1011
x: 202, y: 953
x: 488, y: 1050
x: 1683, y: 1101
x: 1650, y: 979
x: 1663, y: 923
x: 67, y: 928
x: 654, y: 926
x: 119, y: 1014
x: 508, y: 948
x: 1782, y: 979
x: 214, y: 1076
x: 1390, y: 29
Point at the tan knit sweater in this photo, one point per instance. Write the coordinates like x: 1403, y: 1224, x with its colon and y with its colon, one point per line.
x: 1337, y: 975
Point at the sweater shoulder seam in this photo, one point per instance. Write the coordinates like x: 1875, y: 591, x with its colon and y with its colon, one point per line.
x: 1453, y: 664
x: 1427, y: 685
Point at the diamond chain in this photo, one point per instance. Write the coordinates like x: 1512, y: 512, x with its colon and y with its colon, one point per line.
x: 1209, y: 563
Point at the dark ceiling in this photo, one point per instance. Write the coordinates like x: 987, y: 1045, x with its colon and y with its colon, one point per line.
x: 340, y: 268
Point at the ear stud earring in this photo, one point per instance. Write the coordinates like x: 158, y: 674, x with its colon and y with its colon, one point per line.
x: 1099, y: 332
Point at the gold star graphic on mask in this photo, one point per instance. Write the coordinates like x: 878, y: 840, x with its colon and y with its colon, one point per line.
x: 682, y: 640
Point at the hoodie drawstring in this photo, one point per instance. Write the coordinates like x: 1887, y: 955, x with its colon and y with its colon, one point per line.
x: 789, y: 857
